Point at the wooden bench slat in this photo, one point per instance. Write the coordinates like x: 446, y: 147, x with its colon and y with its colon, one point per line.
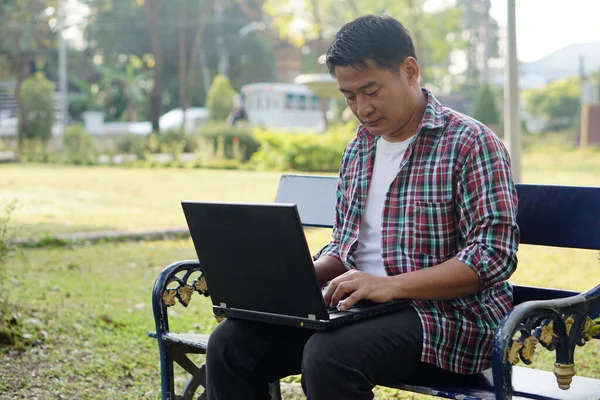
x: 198, y: 341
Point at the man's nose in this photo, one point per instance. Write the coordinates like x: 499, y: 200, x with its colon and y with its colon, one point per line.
x: 364, y: 108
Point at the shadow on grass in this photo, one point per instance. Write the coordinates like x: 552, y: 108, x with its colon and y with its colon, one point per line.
x: 18, y: 230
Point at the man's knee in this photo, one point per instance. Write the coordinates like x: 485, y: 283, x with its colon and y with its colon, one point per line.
x: 322, y: 354
x: 330, y: 369
x: 224, y: 336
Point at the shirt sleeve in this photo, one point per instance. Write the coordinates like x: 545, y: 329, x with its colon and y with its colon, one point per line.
x: 487, y: 210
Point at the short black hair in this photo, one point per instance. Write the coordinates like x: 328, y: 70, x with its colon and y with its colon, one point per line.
x: 380, y: 38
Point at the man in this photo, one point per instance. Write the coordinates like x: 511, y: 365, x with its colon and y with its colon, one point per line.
x: 426, y: 210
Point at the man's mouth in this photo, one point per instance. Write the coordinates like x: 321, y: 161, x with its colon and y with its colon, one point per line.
x: 373, y: 123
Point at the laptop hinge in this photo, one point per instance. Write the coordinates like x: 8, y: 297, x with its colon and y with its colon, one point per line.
x: 223, y: 305
x: 312, y: 317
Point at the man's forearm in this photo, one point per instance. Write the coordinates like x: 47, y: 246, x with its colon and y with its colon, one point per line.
x: 449, y: 280
x: 328, y: 267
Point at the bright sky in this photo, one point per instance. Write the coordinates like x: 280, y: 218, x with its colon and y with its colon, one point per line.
x: 547, y: 25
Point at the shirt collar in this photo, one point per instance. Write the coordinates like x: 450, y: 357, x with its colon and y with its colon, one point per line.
x: 434, y: 112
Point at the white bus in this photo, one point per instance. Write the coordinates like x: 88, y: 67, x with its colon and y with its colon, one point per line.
x: 282, y: 106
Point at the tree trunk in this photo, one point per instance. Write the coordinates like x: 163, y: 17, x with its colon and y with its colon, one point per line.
x: 417, y: 34
x: 182, y: 60
x: 205, y: 71
x: 153, y: 7
x: 487, y: 33
x: 222, y: 51
x: 132, y: 111
x: 203, y: 14
x: 319, y: 48
x: 18, y: 69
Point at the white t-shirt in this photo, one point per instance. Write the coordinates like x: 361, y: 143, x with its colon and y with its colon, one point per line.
x: 387, y: 162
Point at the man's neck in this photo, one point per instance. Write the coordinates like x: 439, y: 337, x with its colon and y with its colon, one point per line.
x: 410, y: 127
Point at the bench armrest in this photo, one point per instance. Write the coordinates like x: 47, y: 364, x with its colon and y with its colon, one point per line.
x: 558, y: 325
x: 177, y: 282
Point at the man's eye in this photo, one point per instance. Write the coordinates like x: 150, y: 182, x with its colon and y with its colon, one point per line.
x: 351, y: 98
x: 372, y: 94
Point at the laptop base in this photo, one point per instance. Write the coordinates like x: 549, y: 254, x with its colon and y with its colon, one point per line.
x: 337, y: 319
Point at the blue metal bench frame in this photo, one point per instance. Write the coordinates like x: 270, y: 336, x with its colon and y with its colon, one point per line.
x: 559, y: 320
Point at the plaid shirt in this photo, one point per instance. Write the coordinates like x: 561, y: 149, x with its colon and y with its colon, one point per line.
x: 453, y: 196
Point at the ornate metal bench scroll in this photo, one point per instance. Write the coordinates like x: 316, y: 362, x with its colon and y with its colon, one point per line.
x: 558, y: 325
x: 184, y: 291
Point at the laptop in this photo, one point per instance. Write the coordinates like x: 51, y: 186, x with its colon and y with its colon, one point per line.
x: 258, y: 266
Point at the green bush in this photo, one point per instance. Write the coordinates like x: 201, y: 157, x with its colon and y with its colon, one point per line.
x: 176, y: 139
x: 222, y: 164
x: 36, y: 150
x: 302, y: 152
x: 219, y: 100
x: 132, y: 144
x: 228, y: 141
x: 5, y: 247
x: 78, y: 146
x: 485, y: 107
x: 558, y: 103
x: 37, y: 112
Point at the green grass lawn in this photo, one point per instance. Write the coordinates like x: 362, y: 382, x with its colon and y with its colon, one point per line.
x: 53, y: 199
x: 86, y: 310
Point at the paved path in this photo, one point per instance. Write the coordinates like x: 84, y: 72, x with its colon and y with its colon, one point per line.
x: 115, y: 235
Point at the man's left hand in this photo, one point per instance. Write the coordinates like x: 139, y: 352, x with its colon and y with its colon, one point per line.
x: 358, y: 285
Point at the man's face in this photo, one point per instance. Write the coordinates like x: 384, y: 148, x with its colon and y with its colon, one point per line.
x: 382, y: 100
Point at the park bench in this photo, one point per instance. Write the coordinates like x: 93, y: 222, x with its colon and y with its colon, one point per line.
x: 559, y: 320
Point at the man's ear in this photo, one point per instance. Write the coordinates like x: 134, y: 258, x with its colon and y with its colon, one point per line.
x: 411, y: 69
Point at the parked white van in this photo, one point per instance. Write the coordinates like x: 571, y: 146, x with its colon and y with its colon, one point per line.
x: 282, y: 106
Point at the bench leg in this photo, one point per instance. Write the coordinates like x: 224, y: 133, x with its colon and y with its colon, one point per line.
x: 198, y: 374
x: 166, y: 372
x: 275, y: 390
x: 198, y: 379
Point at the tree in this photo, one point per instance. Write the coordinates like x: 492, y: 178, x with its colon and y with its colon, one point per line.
x: 91, y: 97
x: 24, y: 35
x: 558, y: 102
x: 131, y: 80
x: 156, y: 97
x: 183, y: 98
x: 37, y: 111
x: 187, y: 72
x: 204, y: 12
x: 480, y: 36
x: 305, y: 20
x: 220, y: 99
x: 484, y: 107
x: 118, y: 28
x: 5, y: 247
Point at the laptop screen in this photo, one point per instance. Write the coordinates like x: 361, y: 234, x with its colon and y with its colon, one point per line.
x: 255, y: 257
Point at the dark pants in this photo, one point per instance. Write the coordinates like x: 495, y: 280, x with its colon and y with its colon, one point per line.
x: 344, y: 363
